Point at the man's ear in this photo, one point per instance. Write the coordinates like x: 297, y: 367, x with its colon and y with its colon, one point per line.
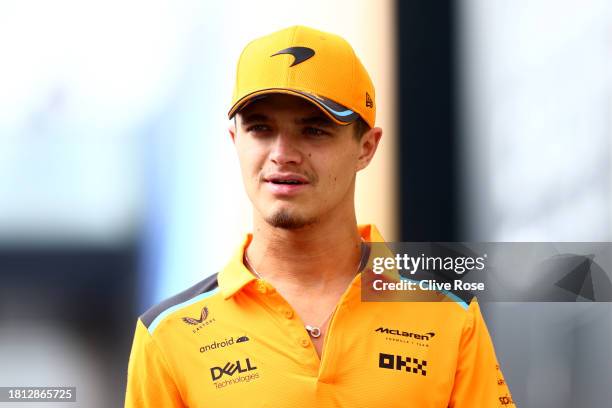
x: 368, y: 145
x: 232, y: 131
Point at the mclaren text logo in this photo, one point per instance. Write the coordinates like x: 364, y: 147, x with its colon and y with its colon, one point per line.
x: 423, y: 337
x: 402, y: 363
x: 200, y: 323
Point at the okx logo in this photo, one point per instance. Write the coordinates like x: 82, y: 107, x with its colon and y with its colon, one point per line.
x: 401, y: 363
x: 232, y: 368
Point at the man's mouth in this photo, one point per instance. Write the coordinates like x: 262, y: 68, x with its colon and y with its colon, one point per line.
x: 288, y: 179
x: 286, y: 184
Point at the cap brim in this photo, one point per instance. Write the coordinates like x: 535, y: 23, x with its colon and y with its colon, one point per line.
x: 336, y: 112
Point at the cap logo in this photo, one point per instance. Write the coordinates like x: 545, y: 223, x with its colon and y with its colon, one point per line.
x: 300, y: 54
x: 369, y: 102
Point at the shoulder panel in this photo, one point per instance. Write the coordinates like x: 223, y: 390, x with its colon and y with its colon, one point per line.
x: 205, y: 288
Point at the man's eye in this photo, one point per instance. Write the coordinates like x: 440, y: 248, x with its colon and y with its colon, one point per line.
x: 258, y: 128
x: 312, y: 131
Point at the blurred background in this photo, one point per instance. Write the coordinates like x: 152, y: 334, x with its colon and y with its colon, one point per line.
x: 119, y: 185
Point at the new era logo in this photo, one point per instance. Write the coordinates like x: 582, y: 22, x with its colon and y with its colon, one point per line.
x: 369, y: 101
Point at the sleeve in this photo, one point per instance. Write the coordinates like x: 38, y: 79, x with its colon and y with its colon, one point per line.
x: 149, y: 382
x: 478, y: 378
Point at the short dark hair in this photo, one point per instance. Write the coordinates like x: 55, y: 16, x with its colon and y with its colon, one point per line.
x: 361, y: 127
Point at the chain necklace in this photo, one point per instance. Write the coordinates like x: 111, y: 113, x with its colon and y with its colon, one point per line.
x: 313, y: 331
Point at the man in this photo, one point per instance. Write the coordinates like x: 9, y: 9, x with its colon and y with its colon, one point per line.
x: 283, y: 324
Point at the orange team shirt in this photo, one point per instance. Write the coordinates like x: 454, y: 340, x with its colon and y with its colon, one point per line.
x: 233, y: 341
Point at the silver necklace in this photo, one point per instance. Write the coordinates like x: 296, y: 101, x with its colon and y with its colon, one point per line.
x: 313, y: 331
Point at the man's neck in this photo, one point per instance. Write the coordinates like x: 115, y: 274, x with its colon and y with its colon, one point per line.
x: 313, y: 259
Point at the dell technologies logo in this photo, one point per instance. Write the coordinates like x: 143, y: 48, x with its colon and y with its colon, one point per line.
x: 231, y: 368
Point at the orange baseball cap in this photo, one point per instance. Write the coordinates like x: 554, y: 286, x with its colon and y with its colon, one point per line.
x: 311, y: 64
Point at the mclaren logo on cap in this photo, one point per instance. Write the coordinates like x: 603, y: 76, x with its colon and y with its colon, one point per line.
x: 300, y: 54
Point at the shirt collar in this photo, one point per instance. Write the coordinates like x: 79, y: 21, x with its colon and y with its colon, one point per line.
x: 236, y: 276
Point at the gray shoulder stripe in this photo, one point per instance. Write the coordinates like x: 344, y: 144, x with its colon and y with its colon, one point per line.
x: 204, y: 286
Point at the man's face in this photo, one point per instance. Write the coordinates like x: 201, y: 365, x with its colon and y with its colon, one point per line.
x: 298, y: 166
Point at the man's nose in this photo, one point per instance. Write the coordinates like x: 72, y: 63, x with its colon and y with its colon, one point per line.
x: 284, y: 150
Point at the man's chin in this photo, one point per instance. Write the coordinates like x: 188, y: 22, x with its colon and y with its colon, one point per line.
x: 285, y: 220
